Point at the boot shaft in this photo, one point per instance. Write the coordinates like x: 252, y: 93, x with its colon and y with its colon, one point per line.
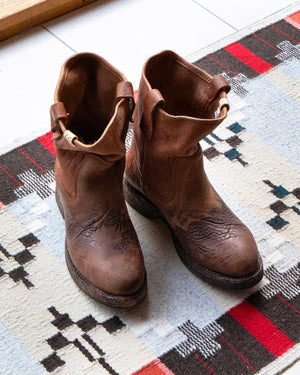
x: 176, y: 108
x: 177, y: 103
x: 89, y: 121
x: 91, y: 91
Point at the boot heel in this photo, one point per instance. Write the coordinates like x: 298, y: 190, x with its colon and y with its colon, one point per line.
x: 139, y: 202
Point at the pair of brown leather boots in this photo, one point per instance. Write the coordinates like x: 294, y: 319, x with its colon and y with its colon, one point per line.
x: 164, y: 175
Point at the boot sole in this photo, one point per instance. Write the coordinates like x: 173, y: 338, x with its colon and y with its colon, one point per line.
x: 108, y: 299
x: 145, y: 207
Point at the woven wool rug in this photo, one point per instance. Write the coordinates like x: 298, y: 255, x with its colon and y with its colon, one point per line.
x: 185, y: 326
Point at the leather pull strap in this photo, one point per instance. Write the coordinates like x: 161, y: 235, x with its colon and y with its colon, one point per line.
x: 125, y: 90
x: 152, y: 100
x: 57, y: 112
x: 216, y: 86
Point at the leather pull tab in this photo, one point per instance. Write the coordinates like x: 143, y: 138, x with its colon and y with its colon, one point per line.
x: 125, y: 90
x: 216, y: 86
x: 152, y: 100
x: 57, y: 112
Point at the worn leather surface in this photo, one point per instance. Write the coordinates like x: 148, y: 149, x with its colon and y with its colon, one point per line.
x: 93, y: 103
x: 176, y: 109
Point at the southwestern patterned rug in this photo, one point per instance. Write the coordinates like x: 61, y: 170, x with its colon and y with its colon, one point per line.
x: 47, y: 325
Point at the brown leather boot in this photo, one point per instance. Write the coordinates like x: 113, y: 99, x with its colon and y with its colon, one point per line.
x: 93, y: 105
x: 165, y: 178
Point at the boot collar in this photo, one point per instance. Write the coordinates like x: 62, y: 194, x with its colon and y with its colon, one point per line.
x: 185, y: 131
x: 111, y: 143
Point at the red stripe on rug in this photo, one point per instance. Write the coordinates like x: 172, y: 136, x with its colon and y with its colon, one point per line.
x: 12, y: 177
x: 204, y: 363
x: 283, y: 33
x: 46, y: 141
x: 155, y: 367
x: 265, y: 42
x: 294, y: 19
x: 261, y: 328
x: 237, y: 352
x: 249, y: 58
x: 288, y: 304
x: 32, y: 161
x: 1, y: 205
x: 219, y: 63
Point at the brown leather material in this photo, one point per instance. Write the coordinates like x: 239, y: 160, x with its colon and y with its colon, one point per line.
x: 57, y: 112
x: 125, y: 90
x: 152, y: 101
x: 165, y: 173
x: 217, y: 84
x: 102, y: 249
